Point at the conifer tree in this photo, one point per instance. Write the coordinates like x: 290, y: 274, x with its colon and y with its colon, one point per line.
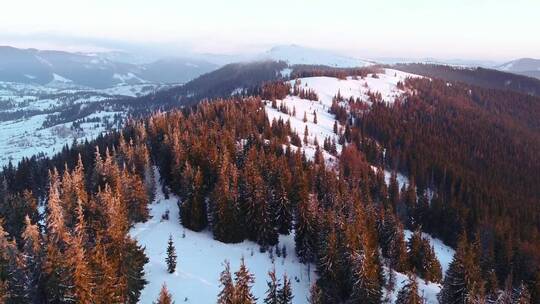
x: 284, y: 211
x: 522, y: 295
x: 462, y: 277
x: 305, y: 237
x: 409, y: 292
x: 226, y: 220
x: 228, y: 290
x: 59, y: 285
x: 392, y: 241
x: 365, y: 278
x: 285, y: 295
x: 315, y: 295
x: 171, y: 256
x: 82, y: 276
x: 12, y: 276
x: 422, y: 258
x: 32, y: 259
x: 244, y: 280
x: 314, y: 117
x: 198, y: 207
x: 393, y: 191
x: 164, y: 296
x: 273, y: 289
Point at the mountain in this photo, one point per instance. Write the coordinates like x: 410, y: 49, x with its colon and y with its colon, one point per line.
x: 482, y: 77
x: 295, y: 54
x: 97, y: 71
x: 524, y: 66
x: 457, y: 62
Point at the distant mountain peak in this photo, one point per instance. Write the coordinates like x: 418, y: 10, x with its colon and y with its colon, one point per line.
x: 523, y: 66
x: 296, y: 54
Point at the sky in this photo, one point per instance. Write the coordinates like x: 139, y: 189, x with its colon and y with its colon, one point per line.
x: 467, y: 29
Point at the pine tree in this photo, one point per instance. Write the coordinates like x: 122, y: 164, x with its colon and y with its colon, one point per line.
x: 226, y: 220
x: 305, y: 117
x: 522, y: 295
x: 82, y: 276
x: 244, y: 280
x: 392, y: 241
x: 193, y: 209
x: 228, y: 291
x: 365, y: 278
x: 164, y: 296
x: 171, y: 256
x: 393, y: 191
x: 284, y: 212
x: 305, y: 237
x: 273, y: 288
x: 306, y: 134
x: 12, y: 274
x: 285, y: 295
x: 314, y: 117
x: 32, y: 259
x: 315, y: 295
x: 409, y: 293
x: 422, y: 258
x: 58, y: 274
x: 134, y: 263
x: 462, y: 277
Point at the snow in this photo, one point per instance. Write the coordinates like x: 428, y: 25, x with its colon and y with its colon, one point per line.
x: 124, y: 78
x: 294, y: 54
x: 58, y: 78
x: 27, y: 137
x: 444, y: 253
x: 426, y: 290
x: 200, y: 259
x: 326, y: 88
x: 385, y: 83
x: 286, y: 72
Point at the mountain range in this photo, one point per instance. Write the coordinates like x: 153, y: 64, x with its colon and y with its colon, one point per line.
x: 31, y: 66
x: 524, y: 66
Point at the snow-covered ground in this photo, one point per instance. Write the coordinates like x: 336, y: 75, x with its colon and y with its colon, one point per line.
x: 427, y: 290
x: 326, y: 88
x: 200, y: 259
x: 25, y: 107
x: 384, y: 83
x: 26, y: 137
x: 444, y: 253
x: 295, y: 54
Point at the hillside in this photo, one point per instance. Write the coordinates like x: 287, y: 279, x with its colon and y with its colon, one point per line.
x: 365, y: 175
x: 92, y: 71
x: 482, y: 77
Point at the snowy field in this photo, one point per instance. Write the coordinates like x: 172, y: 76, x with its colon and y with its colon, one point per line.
x: 200, y: 259
x: 25, y: 107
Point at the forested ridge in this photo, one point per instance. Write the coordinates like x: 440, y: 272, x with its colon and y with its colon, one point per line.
x: 471, y: 156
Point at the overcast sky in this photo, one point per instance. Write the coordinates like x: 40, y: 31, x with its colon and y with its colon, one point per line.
x: 473, y: 29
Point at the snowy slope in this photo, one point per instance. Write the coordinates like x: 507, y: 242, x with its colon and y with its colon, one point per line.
x: 427, y: 290
x: 385, y: 83
x: 444, y: 253
x: 200, y: 259
x: 326, y: 88
x: 24, y: 108
x: 294, y: 54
